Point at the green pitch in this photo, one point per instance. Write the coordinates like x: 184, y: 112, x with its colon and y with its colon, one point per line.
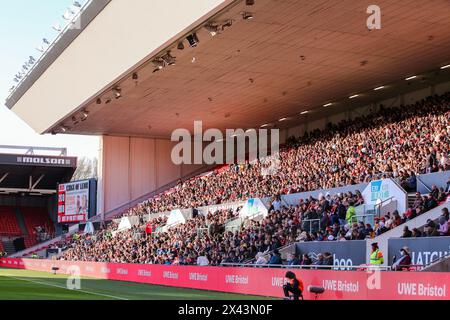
x: 33, y: 285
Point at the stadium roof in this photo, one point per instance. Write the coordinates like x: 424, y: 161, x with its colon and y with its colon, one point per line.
x: 34, y: 174
x: 293, y: 56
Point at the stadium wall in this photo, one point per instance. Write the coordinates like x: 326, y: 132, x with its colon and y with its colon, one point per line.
x: 132, y: 167
x: 339, y: 285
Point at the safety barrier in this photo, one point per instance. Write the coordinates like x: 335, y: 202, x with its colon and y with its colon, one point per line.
x: 339, y: 285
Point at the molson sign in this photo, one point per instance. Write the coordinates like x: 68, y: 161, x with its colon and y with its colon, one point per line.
x: 339, y: 285
x: 32, y: 160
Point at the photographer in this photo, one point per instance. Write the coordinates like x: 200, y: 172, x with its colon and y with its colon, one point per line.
x: 294, y: 286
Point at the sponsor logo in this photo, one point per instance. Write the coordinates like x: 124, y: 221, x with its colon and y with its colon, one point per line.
x: 341, y: 285
x: 170, y: 275
x: 198, y: 276
x: 122, y: 271
x: 89, y: 269
x: 105, y: 270
x: 420, y: 289
x: 277, y: 282
x: 236, y: 279
x: 43, y: 160
x: 144, y: 273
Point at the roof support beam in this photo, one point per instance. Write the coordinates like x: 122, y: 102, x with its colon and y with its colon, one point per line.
x: 18, y: 190
x: 37, y: 181
x: 4, y: 177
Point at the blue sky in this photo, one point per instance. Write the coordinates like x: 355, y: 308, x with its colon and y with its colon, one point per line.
x: 23, y: 25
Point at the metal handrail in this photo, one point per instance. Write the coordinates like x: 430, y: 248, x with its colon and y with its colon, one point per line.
x: 377, y: 207
x: 285, y: 266
x: 310, y: 223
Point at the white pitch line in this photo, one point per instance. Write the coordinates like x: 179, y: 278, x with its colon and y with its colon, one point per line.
x: 63, y: 287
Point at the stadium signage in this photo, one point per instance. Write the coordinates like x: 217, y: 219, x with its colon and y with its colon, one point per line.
x: 198, y: 276
x: 144, y: 273
x: 49, y: 161
x: 342, y: 285
x: 40, y: 160
x: 423, y: 250
x: 235, y: 278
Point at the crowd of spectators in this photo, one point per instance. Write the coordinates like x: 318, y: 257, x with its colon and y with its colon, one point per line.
x: 391, y: 142
x: 394, y: 142
x: 432, y: 228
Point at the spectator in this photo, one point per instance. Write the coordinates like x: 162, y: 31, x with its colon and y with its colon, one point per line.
x: 275, y: 258
x: 292, y: 260
x: 406, y: 232
x: 404, y: 262
x: 350, y: 216
x: 443, y: 226
x: 260, y: 258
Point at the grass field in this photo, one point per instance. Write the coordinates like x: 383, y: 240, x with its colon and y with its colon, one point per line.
x: 33, y: 285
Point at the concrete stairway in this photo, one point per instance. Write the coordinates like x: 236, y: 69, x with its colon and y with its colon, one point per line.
x: 9, y: 247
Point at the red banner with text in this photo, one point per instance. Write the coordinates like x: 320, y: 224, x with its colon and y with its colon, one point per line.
x: 339, y: 285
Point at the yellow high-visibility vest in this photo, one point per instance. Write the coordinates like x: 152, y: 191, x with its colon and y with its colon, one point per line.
x: 376, y: 257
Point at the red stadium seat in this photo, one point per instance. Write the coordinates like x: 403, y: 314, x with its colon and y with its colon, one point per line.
x: 8, y: 222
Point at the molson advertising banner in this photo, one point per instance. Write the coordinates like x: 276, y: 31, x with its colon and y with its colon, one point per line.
x: 339, y: 285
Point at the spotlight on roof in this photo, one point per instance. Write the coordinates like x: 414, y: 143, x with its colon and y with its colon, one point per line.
x: 304, y: 112
x: 159, y: 64
x: 213, y: 29
x: 378, y: 88
x: 249, y: 2
x: 67, y: 15
x: 410, y: 78
x: 282, y: 119
x: 265, y: 125
x: 77, y: 4
x: 354, y: 96
x: 84, y: 115
x: 108, y: 100
x: 135, y: 76
x: 247, y: 16
x: 168, y: 59
x: 46, y: 41
x: 117, y: 92
x: 63, y: 129
x: 445, y: 67
x: 193, y: 40
x: 227, y: 24
x: 327, y: 104
x: 74, y: 120
x: 40, y: 49
x: 57, y: 27
x: 99, y: 101
x: 180, y: 45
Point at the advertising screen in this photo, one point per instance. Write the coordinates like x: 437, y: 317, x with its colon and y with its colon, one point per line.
x: 73, y: 202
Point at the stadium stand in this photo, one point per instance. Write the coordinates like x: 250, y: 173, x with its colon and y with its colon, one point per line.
x: 397, y: 143
x: 36, y: 217
x: 8, y: 222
